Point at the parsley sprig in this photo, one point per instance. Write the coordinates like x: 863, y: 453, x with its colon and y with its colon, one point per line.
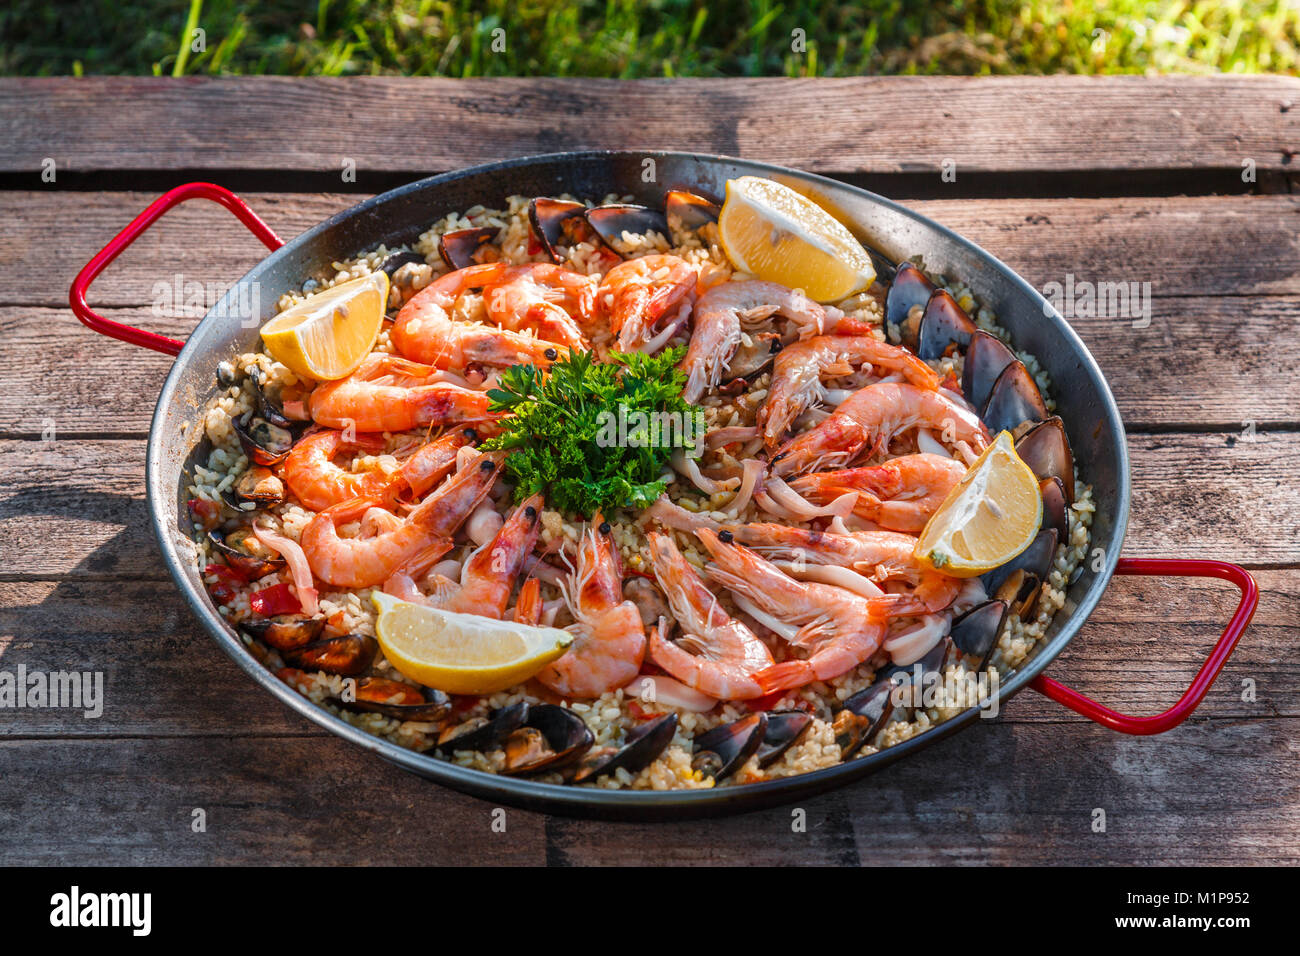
x: 564, y: 435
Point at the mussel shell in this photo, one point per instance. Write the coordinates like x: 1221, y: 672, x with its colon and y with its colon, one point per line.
x: 399, y: 259
x: 862, y: 717
x: 751, y: 359
x: 558, y: 222
x: 376, y: 695
x: 1015, y: 399
x: 265, y: 407
x: 488, y: 733
x: 944, y: 326
x: 458, y: 248
x: 987, y: 357
x: 1055, y: 511
x: 1019, y: 581
x: 551, y: 738
x: 905, y: 676
x: 1046, y: 450
x: 264, y: 442
x: 257, y: 488
x: 234, y: 547
x: 784, y: 728
x: 347, y: 655
x: 286, y: 632
x: 686, y: 211
x: 975, y: 633
x: 909, y: 288
x: 723, y: 750
x: 611, y: 221
x: 642, y: 747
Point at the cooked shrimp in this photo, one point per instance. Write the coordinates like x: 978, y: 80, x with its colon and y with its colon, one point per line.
x: 871, y: 417
x: 488, y: 576
x: 426, y: 332
x: 368, y: 561
x: 610, y: 642
x: 716, y: 654
x: 801, y: 368
x: 317, y: 482
x: 723, y: 311
x: 637, y: 294
x: 435, y: 460
x: 544, y: 298
x: 528, y: 605
x: 838, y: 628
x: 391, y: 394
x: 900, y: 495
x: 882, y: 556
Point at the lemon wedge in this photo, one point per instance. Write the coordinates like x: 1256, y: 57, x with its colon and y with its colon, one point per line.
x: 463, y: 653
x: 772, y: 232
x: 987, y: 519
x: 328, y: 335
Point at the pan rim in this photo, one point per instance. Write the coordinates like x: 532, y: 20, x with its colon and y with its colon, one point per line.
x: 626, y: 803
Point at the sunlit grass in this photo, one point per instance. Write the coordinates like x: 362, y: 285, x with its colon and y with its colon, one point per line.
x: 621, y: 38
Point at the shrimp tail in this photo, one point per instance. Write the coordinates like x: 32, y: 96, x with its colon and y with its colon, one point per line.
x: 785, y: 676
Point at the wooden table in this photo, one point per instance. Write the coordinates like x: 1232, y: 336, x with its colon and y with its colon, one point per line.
x: 1109, y: 179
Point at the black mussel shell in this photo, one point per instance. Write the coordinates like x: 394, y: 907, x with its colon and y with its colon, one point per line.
x: 257, y: 488
x: 459, y: 248
x: 686, y: 211
x: 551, y: 738
x: 929, y: 668
x: 784, y: 728
x: 558, y: 222
x: 399, y: 259
x: 265, y: 406
x: 751, y: 359
x: 346, y: 656
x: 1015, y: 399
x: 286, y: 632
x: 863, y: 716
x: 610, y: 222
x: 944, y: 326
x: 723, y: 750
x: 395, y: 699
x: 243, y: 552
x: 975, y: 633
x: 1055, y: 511
x: 987, y: 357
x: 264, y: 442
x: 1046, y: 450
x: 909, y: 288
x: 487, y: 732
x: 1019, y: 580
x: 642, y: 747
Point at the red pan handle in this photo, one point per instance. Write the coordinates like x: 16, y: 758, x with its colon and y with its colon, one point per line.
x: 1175, y: 715
x: 127, y: 333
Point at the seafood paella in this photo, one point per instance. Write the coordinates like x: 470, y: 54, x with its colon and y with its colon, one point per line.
x: 631, y: 497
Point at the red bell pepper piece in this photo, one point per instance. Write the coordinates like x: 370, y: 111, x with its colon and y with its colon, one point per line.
x: 275, y: 600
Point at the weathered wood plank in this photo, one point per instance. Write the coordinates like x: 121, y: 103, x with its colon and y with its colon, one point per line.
x: 76, y: 507
x: 426, y: 125
x: 1183, y: 246
x: 163, y: 676
x: 999, y: 793
x: 1201, y: 363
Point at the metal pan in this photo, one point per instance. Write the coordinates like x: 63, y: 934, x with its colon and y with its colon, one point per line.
x: 1084, y: 402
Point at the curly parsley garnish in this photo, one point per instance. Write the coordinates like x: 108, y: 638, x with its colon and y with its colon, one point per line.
x: 594, y: 436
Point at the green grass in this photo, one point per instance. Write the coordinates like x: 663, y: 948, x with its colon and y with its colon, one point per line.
x: 620, y: 38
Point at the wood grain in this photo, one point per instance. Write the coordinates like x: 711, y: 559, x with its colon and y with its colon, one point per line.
x: 864, y: 124
x: 1184, y: 246
x: 1218, y: 793
x: 164, y: 677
